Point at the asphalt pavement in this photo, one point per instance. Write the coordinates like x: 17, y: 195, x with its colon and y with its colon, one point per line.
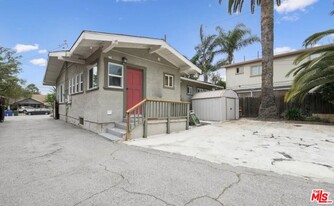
x: 49, y: 162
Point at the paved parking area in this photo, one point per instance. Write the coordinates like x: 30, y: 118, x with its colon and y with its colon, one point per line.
x: 49, y: 162
x: 303, y: 150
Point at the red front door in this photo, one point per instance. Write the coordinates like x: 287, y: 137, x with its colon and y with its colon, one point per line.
x: 134, y: 87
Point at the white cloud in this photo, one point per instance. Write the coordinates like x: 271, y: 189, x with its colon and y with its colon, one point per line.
x: 39, y: 62
x: 284, y: 49
x: 294, y: 5
x: 42, y: 51
x: 25, y: 47
x: 290, y: 18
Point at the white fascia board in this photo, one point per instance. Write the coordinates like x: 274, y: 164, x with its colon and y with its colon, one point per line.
x: 122, y: 38
x: 200, y: 82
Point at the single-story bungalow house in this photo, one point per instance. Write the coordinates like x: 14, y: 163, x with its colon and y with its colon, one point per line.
x: 35, y: 101
x: 120, y: 85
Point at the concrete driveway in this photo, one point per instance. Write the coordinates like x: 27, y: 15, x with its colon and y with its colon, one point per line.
x: 49, y: 162
x: 303, y: 150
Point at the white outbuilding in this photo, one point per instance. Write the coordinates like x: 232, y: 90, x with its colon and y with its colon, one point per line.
x: 219, y: 105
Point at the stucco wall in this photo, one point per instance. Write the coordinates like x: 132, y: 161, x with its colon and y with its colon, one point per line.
x: 244, y: 81
x: 94, y: 105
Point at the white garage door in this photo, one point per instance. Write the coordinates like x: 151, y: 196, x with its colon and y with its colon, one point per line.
x: 230, y: 109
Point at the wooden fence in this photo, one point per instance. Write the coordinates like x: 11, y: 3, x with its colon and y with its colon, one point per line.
x: 313, y: 103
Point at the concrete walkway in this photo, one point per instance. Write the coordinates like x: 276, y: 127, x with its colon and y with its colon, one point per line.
x: 302, y: 150
x: 49, y: 162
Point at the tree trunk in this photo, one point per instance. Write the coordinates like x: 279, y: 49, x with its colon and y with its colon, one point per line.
x: 268, y: 109
x: 206, y: 77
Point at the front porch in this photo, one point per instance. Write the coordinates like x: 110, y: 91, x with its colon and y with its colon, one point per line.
x: 151, y: 117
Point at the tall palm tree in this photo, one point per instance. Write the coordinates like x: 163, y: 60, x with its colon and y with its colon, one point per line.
x: 205, y: 53
x: 268, y: 107
x: 315, y: 72
x: 231, y: 41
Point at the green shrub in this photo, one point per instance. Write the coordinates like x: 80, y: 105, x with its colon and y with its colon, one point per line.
x: 293, y: 114
x: 316, y: 119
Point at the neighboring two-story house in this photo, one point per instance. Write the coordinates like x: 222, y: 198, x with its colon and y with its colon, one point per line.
x: 245, y: 77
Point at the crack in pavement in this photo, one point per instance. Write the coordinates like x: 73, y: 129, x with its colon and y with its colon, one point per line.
x: 146, y: 194
x: 106, y: 189
x: 220, y: 195
x: 230, y: 185
x: 45, y: 155
x: 200, y: 197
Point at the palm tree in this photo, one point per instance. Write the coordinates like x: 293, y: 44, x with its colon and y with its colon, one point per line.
x: 235, y: 39
x: 313, y: 73
x: 268, y: 107
x: 205, y: 53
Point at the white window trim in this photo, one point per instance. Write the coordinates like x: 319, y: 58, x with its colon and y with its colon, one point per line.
x: 190, y: 90
x: 115, y: 75
x: 90, y: 67
x: 240, y: 68
x: 69, y: 87
x: 251, y: 69
x: 76, y: 83
x: 168, y: 80
x: 61, y: 93
x: 81, y: 82
x: 201, y: 90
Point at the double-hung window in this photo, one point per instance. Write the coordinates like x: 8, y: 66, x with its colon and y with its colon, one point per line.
x: 92, y: 77
x: 73, y: 86
x: 115, y: 75
x: 61, y: 92
x: 168, y: 81
x: 69, y: 86
x: 77, y: 83
x: 189, y: 90
x: 256, y: 70
x: 81, y: 82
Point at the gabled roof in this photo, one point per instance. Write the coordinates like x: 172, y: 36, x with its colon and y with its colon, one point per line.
x: 201, y: 82
x: 90, y: 41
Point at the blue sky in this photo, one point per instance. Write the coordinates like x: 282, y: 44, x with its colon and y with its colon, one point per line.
x: 34, y: 27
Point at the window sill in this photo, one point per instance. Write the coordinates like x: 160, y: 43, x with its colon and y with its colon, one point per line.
x: 114, y: 88
x: 190, y: 94
x: 77, y: 93
x: 258, y: 75
x: 239, y: 73
x: 92, y: 89
x: 172, y: 88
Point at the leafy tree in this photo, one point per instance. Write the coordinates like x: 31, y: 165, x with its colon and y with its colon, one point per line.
x: 9, y: 68
x: 33, y: 89
x: 215, y: 77
x: 268, y: 107
x: 221, y: 83
x: 205, y: 53
x: 315, y: 70
x: 51, y: 97
x: 237, y: 38
x: 327, y: 92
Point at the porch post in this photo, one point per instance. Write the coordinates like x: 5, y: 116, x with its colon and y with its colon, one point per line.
x: 168, y: 116
x: 145, y: 120
x: 188, y: 111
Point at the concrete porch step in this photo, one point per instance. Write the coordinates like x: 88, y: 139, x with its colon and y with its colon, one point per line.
x: 120, y: 125
x: 118, y: 132
x: 111, y: 137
